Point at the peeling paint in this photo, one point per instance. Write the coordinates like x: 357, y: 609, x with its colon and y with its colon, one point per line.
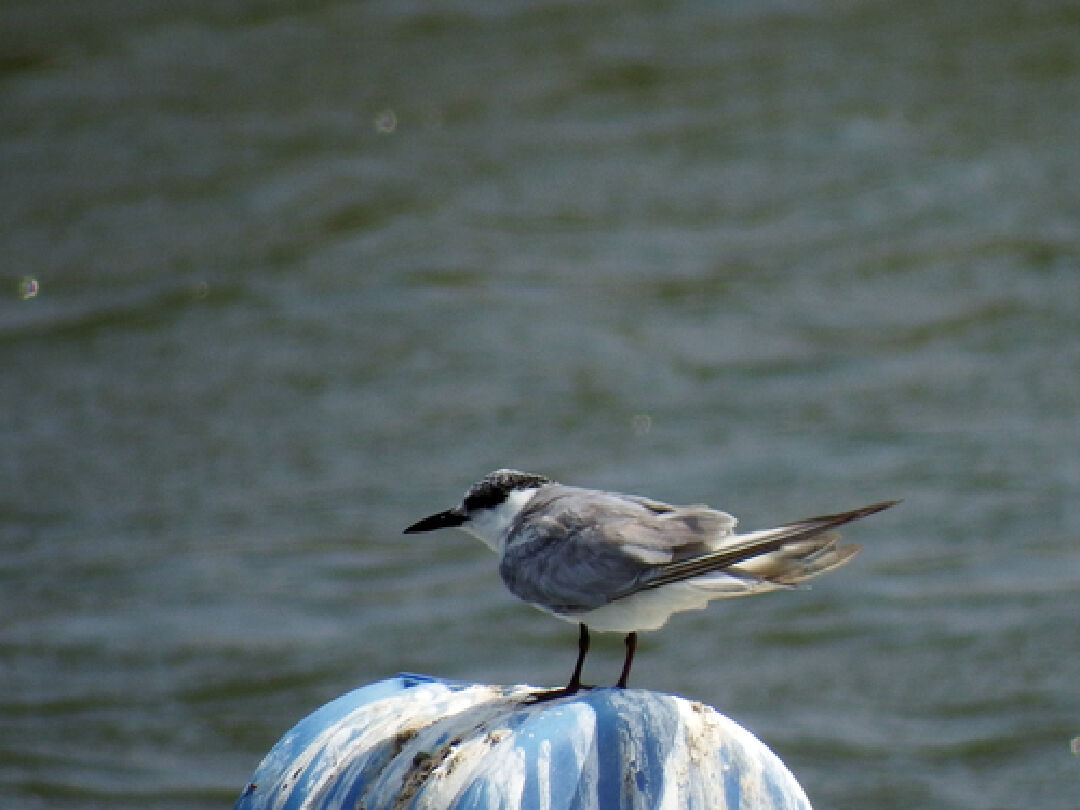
x: 417, y: 743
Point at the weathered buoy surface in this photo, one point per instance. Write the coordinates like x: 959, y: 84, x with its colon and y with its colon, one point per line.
x: 413, y: 741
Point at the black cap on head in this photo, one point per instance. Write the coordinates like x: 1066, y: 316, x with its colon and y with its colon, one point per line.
x: 492, y: 489
x: 489, y: 491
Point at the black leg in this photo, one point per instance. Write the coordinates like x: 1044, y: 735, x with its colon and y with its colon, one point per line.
x: 575, y: 679
x: 631, y: 646
x: 582, y: 649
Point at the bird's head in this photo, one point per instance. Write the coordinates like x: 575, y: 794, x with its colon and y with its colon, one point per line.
x: 489, y: 506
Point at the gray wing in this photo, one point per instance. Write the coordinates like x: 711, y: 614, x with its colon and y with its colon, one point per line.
x: 784, y: 556
x: 574, y: 550
x: 666, y: 533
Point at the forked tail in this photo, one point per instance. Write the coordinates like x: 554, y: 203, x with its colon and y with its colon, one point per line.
x: 785, y: 555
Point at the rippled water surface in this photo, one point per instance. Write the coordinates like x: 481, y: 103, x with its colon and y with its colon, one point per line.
x: 280, y: 279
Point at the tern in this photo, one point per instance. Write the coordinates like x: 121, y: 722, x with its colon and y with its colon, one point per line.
x: 624, y: 563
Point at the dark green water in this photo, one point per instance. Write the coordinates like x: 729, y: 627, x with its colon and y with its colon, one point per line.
x: 304, y: 272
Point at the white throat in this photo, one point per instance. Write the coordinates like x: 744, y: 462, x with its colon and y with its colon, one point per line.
x: 491, y: 526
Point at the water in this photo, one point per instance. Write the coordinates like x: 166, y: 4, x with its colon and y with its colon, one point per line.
x: 278, y: 281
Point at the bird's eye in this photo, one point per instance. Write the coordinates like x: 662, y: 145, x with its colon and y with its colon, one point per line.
x: 484, y: 498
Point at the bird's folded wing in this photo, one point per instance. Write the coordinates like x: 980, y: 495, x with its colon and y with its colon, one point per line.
x: 573, y: 553
x: 805, y: 539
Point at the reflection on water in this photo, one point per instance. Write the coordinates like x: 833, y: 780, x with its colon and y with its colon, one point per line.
x: 281, y: 280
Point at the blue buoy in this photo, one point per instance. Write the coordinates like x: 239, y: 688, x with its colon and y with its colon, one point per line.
x: 414, y: 741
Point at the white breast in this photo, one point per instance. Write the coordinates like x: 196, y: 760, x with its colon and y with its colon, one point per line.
x: 650, y: 609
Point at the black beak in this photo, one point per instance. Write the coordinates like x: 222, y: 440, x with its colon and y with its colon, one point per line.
x: 443, y: 520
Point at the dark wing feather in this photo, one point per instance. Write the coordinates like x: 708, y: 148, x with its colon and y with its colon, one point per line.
x: 814, y: 557
x: 572, y: 552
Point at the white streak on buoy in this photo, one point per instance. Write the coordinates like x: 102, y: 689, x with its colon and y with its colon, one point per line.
x: 412, y: 743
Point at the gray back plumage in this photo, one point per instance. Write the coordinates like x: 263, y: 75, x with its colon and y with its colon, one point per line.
x: 573, y: 550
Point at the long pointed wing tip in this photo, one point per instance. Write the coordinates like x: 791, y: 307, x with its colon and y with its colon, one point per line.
x: 881, y: 506
x: 840, y: 518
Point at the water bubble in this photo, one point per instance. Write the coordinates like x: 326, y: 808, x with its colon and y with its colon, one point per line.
x: 28, y: 287
x: 385, y: 121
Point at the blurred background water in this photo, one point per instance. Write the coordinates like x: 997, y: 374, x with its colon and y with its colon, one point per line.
x: 281, y: 278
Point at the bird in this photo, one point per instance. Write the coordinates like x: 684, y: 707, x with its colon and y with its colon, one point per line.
x: 623, y: 563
